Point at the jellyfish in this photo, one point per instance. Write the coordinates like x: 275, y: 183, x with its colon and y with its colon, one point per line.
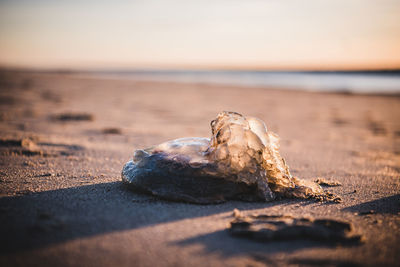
x: 240, y: 161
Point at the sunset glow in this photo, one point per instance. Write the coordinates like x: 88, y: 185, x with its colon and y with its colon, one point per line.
x: 201, y: 34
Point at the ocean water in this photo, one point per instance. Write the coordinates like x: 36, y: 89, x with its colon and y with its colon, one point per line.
x: 351, y: 82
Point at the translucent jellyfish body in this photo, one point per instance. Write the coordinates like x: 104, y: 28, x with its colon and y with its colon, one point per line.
x: 240, y: 161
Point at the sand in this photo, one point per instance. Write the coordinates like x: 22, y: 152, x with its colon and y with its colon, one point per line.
x: 65, y: 137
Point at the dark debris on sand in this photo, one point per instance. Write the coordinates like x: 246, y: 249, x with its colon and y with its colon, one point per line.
x: 323, y: 182
x: 31, y: 147
x: 70, y: 116
x: 24, y: 146
x: 266, y: 228
x: 111, y: 130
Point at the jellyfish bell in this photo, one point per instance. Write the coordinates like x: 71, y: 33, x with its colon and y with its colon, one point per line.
x: 240, y: 161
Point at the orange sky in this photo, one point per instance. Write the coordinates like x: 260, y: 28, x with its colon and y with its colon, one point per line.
x: 286, y: 34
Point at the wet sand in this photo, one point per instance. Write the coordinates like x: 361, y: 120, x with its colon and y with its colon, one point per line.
x: 64, y: 140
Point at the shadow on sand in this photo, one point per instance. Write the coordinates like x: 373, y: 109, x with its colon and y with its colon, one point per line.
x: 389, y: 205
x: 216, y: 243
x: 42, y: 219
x: 264, y: 252
x: 52, y: 217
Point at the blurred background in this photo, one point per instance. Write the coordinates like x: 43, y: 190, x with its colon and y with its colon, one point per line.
x: 237, y: 42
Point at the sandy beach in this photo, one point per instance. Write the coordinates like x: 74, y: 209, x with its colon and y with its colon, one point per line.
x: 64, y: 139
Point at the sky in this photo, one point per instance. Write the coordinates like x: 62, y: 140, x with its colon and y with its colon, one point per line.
x: 251, y: 34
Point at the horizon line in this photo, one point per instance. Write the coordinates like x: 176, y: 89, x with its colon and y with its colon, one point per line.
x: 183, y: 67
